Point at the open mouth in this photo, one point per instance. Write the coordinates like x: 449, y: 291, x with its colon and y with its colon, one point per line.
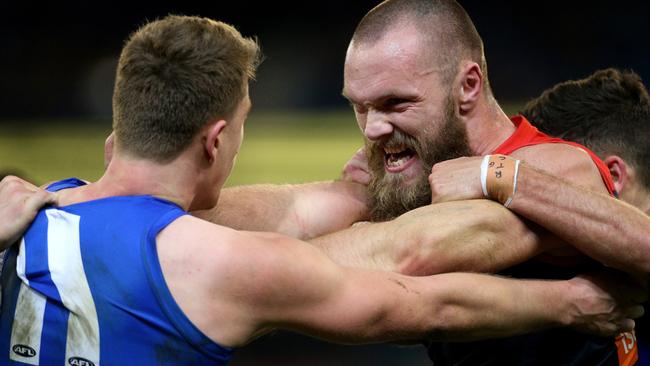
x: 397, y: 158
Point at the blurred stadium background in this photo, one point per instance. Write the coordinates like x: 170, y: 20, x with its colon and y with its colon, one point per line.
x: 57, y: 69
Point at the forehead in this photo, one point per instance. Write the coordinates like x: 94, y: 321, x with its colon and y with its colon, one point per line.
x: 396, y: 65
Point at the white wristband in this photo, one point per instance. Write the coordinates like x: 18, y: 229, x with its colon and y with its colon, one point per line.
x: 484, y: 171
x: 514, y: 187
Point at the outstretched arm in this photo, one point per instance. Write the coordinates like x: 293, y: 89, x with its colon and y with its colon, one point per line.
x: 476, y: 236
x: 608, y: 230
x: 250, y: 283
x: 302, y: 211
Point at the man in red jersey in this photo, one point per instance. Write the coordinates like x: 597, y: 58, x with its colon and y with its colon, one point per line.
x: 416, y: 74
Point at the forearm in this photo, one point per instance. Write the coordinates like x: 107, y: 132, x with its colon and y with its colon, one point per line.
x: 472, y: 306
x: 478, y: 236
x: 608, y: 230
x: 445, y: 307
x: 301, y: 211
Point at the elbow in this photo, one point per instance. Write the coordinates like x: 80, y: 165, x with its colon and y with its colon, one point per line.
x: 424, y: 255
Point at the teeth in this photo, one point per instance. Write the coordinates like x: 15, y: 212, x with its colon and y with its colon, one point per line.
x: 395, y: 162
x: 394, y: 149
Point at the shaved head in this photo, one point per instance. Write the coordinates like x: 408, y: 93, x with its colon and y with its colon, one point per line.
x: 447, y: 32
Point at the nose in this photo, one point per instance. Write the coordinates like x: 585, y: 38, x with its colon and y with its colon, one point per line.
x: 377, y: 125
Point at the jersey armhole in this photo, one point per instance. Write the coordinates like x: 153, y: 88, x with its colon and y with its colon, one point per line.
x: 168, y: 304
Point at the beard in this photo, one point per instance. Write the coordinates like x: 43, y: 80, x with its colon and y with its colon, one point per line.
x: 390, y: 196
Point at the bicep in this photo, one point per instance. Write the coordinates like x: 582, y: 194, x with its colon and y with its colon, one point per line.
x: 295, y: 286
x: 300, y: 211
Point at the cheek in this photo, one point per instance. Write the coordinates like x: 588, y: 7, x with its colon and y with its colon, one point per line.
x: 413, y: 122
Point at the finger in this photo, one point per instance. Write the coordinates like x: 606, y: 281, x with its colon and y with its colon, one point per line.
x: 39, y: 199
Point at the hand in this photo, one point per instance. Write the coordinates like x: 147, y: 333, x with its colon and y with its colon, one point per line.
x: 606, y: 303
x: 456, y: 179
x: 356, y: 169
x: 108, y: 149
x: 19, y: 204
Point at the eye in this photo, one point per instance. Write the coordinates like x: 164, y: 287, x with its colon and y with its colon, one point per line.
x: 395, y: 102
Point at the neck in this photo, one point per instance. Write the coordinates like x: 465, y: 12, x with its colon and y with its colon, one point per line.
x: 487, y: 128
x: 636, y: 195
x: 125, y: 176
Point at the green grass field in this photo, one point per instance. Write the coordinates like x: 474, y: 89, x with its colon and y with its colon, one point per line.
x: 278, y: 148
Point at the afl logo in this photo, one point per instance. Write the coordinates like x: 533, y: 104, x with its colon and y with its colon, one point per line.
x: 78, y: 361
x: 24, y: 351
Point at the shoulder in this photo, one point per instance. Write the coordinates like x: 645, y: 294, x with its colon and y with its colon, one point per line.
x: 198, y: 243
x: 221, y: 278
x: 552, y: 155
x: 236, y: 283
x: 563, y: 160
x: 227, y: 256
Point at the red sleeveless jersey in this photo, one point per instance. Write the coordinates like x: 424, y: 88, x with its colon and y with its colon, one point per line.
x: 528, y: 135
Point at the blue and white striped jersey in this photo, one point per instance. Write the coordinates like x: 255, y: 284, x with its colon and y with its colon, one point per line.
x: 85, y: 287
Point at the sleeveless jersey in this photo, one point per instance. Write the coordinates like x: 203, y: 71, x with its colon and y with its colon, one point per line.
x: 85, y: 287
x: 557, y: 347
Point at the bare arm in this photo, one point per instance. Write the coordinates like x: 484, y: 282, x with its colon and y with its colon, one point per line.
x: 245, y: 284
x: 574, y: 207
x: 477, y: 236
x: 19, y: 204
x: 608, y: 230
x: 302, y: 211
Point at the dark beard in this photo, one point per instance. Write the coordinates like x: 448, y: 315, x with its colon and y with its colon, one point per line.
x: 389, y: 198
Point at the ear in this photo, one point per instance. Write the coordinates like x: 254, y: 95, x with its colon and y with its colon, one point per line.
x: 212, y: 139
x: 619, y: 170
x: 109, y: 146
x: 471, y: 87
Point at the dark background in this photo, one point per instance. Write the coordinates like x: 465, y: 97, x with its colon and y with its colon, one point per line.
x: 58, y: 59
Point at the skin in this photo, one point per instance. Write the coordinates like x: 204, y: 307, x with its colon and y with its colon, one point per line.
x: 626, y: 181
x: 465, y: 238
x: 20, y: 203
x: 622, y: 243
